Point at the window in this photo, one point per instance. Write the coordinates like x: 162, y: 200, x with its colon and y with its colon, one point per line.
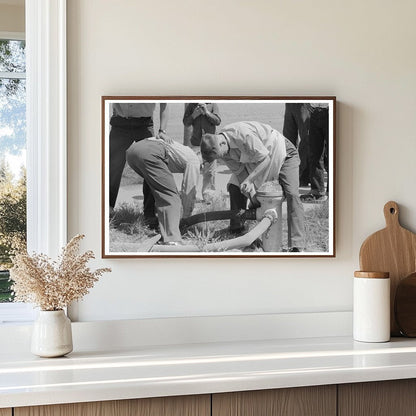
x: 12, y: 165
x: 12, y: 154
x: 46, y: 134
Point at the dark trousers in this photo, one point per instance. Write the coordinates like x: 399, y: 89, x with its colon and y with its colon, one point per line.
x: 318, y: 149
x: 148, y: 158
x: 296, y: 125
x: 237, y: 202
x: 123, y: 133
x: 289, y: 180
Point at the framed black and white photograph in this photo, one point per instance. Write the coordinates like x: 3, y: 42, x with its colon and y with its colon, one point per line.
x: 218, y: 176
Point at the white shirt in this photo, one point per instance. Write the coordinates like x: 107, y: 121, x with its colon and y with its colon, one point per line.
x: 250, y: 143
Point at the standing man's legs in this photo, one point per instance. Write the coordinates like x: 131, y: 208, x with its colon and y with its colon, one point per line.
x: 123, y: 133
x: 318, y: 144
x: 289, y: 179
x: 290, y: 122
x: 120, y: 141
x: 148, y: 159
x: 296, y: 129
x: 303, y: 148
x: 325, y: 132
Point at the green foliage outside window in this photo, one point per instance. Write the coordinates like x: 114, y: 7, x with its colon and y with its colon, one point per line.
x: 12, y: 223
x: 12, y: 145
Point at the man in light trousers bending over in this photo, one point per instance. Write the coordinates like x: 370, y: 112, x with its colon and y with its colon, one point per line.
x: 155, y: 160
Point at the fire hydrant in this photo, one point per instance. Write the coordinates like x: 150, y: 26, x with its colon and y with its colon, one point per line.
x: 271, y: 199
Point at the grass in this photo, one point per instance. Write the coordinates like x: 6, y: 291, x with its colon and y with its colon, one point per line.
x: 218, y: 203
x: 317, y: 227
x: 212, y: 231
x: 127, y: 226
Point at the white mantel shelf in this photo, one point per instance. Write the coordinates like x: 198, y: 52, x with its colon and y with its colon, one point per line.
x: 151, y: 371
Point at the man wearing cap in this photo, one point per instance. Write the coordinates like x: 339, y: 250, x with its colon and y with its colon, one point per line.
x: 256, y: 153
x: 155, y: 160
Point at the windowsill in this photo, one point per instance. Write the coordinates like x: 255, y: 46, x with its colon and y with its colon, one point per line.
x: 182, y: 356
x: 16, y: 313
x: 155, y: 371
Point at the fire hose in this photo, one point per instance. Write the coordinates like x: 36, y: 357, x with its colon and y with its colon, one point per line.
x: 270, y: 216
x: 243, y: 215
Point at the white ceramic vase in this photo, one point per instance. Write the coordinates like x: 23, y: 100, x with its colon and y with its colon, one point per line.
x: 52, y: 334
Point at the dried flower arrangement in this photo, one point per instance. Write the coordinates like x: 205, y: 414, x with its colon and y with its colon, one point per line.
x: 53, y: 285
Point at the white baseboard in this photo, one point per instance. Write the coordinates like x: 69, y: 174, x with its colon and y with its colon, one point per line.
x: 110, y: 335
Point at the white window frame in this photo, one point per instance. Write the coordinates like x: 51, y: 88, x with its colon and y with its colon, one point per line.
x: 46, y: 134
x: 12, y: 36
x: 14, y: 312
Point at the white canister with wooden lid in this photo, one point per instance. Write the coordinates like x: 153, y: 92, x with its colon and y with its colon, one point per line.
x: 371, y: 309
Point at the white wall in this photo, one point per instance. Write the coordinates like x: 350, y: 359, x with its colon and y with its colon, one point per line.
x: 363, y: 52
x: 12, y: 17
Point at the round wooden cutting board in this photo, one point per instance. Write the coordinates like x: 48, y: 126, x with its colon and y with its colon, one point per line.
x: 393, y: 250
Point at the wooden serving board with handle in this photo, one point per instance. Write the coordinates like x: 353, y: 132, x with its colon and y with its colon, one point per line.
x: 393, y: 250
